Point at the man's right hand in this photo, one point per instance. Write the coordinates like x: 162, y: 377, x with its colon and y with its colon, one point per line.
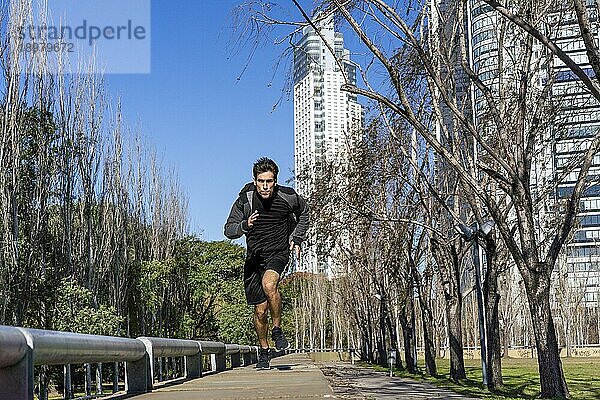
x: 252, y: 218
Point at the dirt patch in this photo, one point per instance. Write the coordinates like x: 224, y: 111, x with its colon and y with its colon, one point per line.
x: 341, y: 379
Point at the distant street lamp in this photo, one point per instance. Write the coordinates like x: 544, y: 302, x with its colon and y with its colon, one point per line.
x: 474, y: 233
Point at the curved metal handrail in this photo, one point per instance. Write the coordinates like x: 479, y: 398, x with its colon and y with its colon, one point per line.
x: 22, y: 348
x: 13, y: 345
x: 163, y: 347
x: 58, y: 348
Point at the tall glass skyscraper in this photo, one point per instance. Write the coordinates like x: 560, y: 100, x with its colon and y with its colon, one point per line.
x: 326, y: 118
x: 577, y: 122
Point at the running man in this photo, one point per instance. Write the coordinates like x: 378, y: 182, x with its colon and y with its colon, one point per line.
x: 274, y: 219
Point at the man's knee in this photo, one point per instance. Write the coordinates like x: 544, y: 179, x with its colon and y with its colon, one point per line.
x: 261, y: 310
x: 270, y: 288
x: 270, y: 282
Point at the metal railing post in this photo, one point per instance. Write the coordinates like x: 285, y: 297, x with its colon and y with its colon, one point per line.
x: 217, y: 354
x: 99, y: 378
x: 221, y: 362
x: 150, y: 363
x: 160, y: 369
x: 88, y: 380
x: 236, y: 360
x: 137, y: 375
x: 68, y: 388
x: 16, y: 364
x: 43, y: 379
x: 115, y: 379
x: 17, y: 381
x: 246, y: 355
x: 193, y: 366
x: 162, y: 349
x: 233, y: 351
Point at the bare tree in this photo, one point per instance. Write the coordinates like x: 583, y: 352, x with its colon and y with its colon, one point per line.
x: 502, y: 122
x: 509, y: 165
x: 71, y: 187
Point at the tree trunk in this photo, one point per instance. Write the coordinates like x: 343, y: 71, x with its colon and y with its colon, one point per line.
x: 457, y: 361
x: 491, y: 300
x: 427, y: 318
x: 370, y: 339
x: 449, y: 271
x: 408, y: 334
x: 552, y: 381
x: 424, y: 288
x: 393, y: 338
x: 364, y: 350
x: 506, y: 341
x: 494, y: 348
x: 568, y: 341
x: 382, y: 342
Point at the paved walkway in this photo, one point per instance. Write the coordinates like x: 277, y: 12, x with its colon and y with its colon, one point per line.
x: 354, y: 382
x: 295, y: 376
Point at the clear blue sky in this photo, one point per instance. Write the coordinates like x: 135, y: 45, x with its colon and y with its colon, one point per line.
x: 192, y: 107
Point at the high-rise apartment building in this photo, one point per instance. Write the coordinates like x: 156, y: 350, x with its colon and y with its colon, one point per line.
x: 326, y: 119
x: 577, y: 122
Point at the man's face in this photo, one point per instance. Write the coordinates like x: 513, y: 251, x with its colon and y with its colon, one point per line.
x: 265, y: 183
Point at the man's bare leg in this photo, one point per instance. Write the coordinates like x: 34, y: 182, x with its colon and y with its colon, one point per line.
x: 261, y: 323
x: 269, y: 283
x: 261, y: 326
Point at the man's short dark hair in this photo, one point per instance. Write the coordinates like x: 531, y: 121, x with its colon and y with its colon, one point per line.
x: 265, y: 164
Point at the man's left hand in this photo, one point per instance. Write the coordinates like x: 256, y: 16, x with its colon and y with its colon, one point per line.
x: 296, y: 248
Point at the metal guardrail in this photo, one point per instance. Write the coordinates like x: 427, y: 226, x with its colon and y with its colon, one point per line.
x: 21, y: 349
x: 58, y: 348
x: 13, y: 346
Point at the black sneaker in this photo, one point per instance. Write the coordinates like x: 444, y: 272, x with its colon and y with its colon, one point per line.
x: 281, y: 342
x: 264, y: 359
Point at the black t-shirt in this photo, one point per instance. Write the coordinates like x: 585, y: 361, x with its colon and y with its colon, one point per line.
x: 269, y: 234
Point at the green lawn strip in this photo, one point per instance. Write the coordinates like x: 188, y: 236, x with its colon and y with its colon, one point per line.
x: 521, y: 379
x: 583, y: 377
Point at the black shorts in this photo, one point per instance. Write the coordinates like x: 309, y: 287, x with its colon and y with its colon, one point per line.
x: 254, y: 269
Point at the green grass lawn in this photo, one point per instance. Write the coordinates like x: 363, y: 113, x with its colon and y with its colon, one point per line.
x: 521, y: 378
